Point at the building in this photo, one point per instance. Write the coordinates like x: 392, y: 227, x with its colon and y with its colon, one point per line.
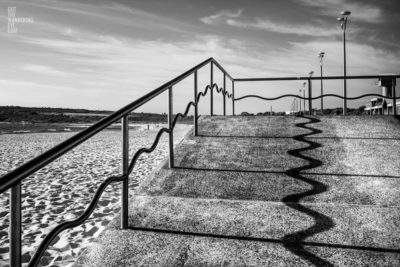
x: 383, y: 106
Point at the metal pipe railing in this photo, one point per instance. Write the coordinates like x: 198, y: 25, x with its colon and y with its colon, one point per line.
x: 18, y: 174
x: 125, y: 170
x: 171, y: 133
x: 224, y: 95
x: 309, y: 80
x: 394, y: 96
x: 196, y: 110
x: 14, y: 178
x: 309, y: 97
x: 15, y: 225
x: 315, y: 78
x: 211, y: 93
x: 233, y: 97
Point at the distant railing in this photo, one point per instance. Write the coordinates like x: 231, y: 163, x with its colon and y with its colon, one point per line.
x: 309, y: 81
x: 13, y: 179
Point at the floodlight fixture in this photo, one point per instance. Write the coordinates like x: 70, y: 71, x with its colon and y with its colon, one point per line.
x: 345, y: 13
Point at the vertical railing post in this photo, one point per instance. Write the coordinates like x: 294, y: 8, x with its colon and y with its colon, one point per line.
x: 171, y: 133
x: 223, y: 93
x: 15, y: 226
x: 394, y: 95
x: 195, y: 117
x: 233, y: 97
x: 211, y: 87
x: 125, y: 167
x: 309, y: 96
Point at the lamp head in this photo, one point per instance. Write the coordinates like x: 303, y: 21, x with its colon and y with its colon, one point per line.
x: 345, y: 13
x: 341, y: 19
x: 321, y: 55
x: 311, y: 73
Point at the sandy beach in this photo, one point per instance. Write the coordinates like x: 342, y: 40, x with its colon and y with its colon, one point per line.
x: 62, y: 190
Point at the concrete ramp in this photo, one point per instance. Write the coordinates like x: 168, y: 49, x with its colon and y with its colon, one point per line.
x: 267, y: 191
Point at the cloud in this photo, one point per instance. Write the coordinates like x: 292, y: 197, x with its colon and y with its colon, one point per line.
x: 360, y: 12
x: 136, y: 66
x: 221, y: 16
x: 297, y: 29
x: 232, y: 19
x: 47, y: 70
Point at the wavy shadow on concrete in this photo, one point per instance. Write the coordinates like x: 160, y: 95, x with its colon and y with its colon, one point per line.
x: 293, y: 242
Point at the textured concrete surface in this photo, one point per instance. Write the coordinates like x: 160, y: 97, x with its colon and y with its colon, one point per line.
x: 267, y: 191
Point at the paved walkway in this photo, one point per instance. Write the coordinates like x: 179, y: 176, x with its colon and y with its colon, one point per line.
x: 268, y: 191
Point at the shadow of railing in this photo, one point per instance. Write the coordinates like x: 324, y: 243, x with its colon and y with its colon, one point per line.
x: 293, y: 241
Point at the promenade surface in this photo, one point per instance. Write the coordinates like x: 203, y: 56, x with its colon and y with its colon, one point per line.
x: 267, y: 191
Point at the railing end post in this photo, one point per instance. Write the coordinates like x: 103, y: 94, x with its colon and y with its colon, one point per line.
x: 394, y: 96
x: 195, y: 116
x: 170, y: 126
x: 233, y: 97
x: 125, y: 170
x: 15, y: 226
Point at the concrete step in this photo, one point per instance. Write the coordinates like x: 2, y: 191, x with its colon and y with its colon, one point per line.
x: 285, y: 126
x: 352, y: 225
x: 267, y: 191
x: 170, y: 231
x: 327, y: 155
x: 118, y: 248
x: 266, y: 186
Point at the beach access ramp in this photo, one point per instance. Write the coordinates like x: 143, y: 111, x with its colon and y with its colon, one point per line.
x: 267, y: 191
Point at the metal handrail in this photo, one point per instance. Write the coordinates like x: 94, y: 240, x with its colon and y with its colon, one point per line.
x: 393, y: 77
x: 14, y: 178
x: 310, y: 98
x: 305, y: 78
x: 17, y: 175
x: 89, y: 210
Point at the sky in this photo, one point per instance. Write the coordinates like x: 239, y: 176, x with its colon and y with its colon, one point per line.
x: 102, y: 55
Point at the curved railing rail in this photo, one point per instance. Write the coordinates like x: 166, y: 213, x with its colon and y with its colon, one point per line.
x: 392, y: 78
x: 13, y: 179
x: 309, y: 98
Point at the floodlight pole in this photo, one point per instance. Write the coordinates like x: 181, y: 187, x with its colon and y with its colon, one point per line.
x: 344, y: 75
x: 343, y: 23
x: 321, y: 56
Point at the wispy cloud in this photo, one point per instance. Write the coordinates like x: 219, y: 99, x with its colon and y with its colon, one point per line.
x: 361, y: 12
x: 297, y: 29
x: 46, y: 70
x: 235, y: 19
x: 221, y: 16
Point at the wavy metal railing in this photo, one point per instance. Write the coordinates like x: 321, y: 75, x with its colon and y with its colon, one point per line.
x: 310, y: 98
x: 89, y: 210
x: 13, y: 179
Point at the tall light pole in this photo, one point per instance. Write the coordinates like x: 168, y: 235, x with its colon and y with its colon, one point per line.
x: 321, y: 56
x: 343, y: 23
